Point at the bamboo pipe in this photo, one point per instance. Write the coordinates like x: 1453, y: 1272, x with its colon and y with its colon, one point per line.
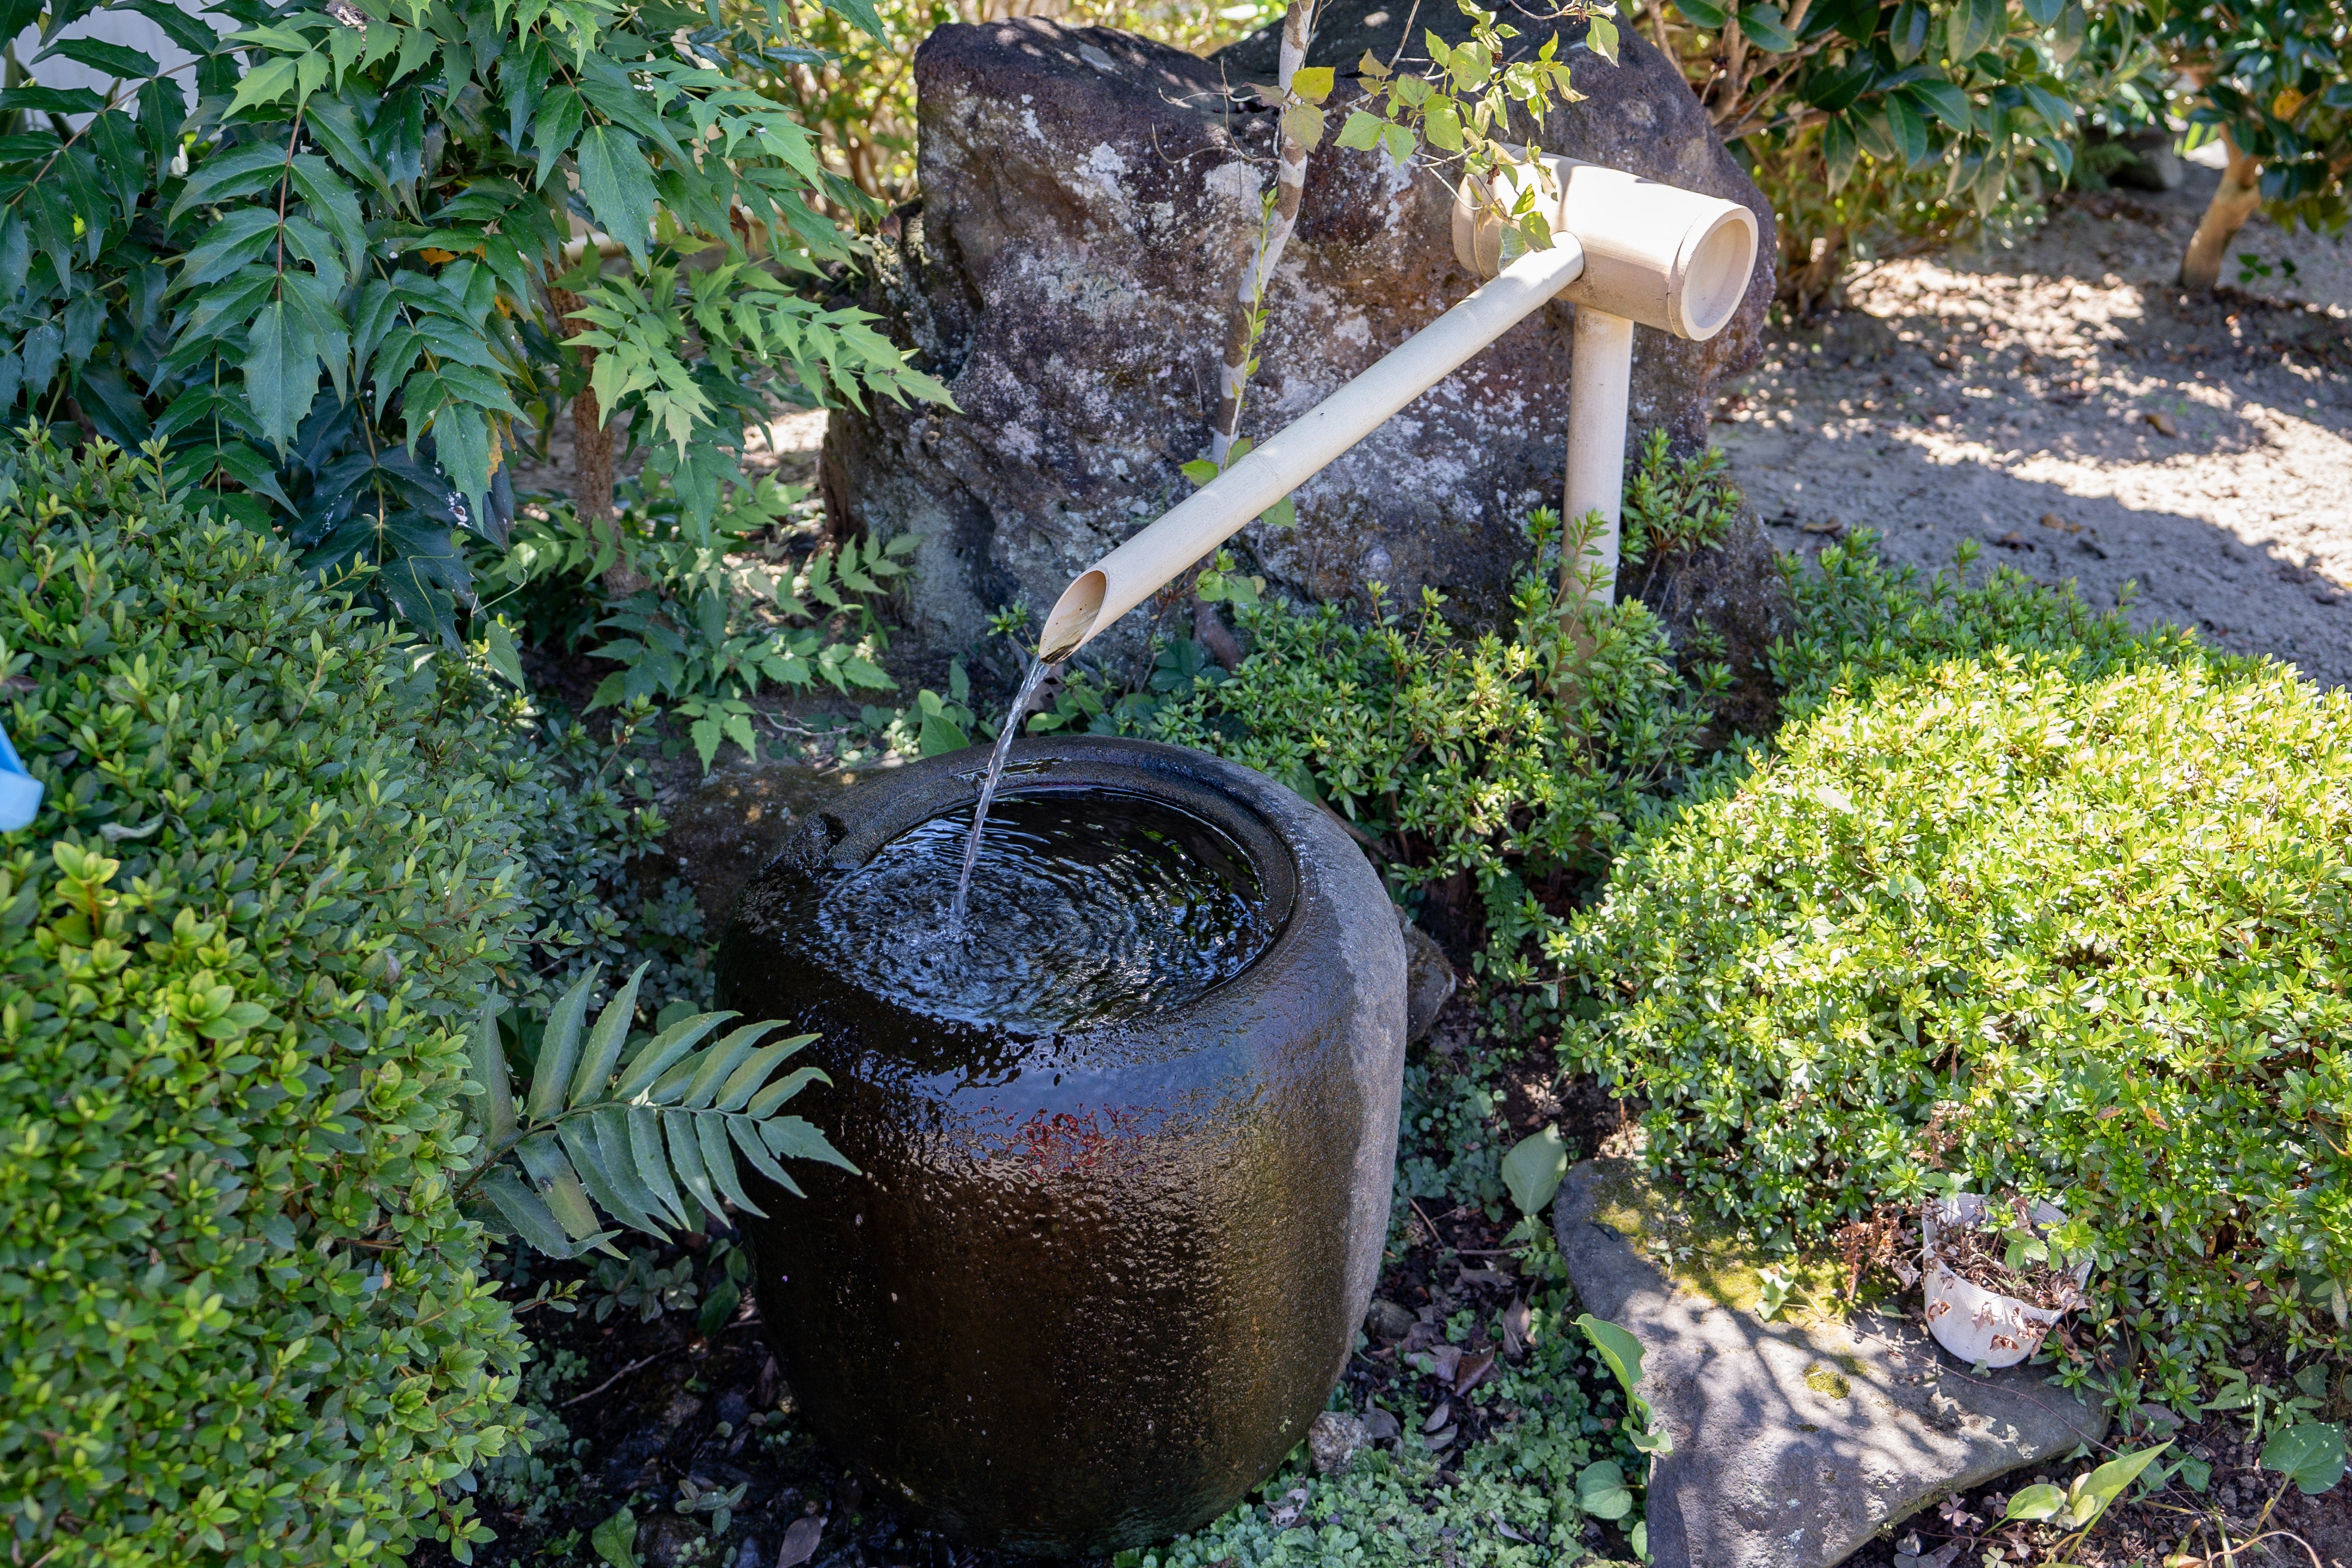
x: 1625, y: 250
x: 1214, y: 513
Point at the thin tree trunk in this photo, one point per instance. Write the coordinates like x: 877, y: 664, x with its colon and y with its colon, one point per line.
x: 1290, y: 182
x: 2234, y: 202
x: 592, y: 457
x: 1232, y: 374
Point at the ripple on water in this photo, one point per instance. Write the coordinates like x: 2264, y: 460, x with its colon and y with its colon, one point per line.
x: 1086, y: 909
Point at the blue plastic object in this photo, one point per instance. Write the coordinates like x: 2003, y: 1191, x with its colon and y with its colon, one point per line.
x: 20, y: 792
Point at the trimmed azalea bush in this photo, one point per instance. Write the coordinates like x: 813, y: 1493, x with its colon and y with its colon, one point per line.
x: 242, y: 1317
x: 2071, y: 919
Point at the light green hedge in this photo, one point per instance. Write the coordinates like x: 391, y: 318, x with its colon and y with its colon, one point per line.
x: 240, y: 1319
x: 2099, y: 905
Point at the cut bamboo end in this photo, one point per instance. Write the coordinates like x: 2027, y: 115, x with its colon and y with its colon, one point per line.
x: 1655, y: 254
x: 1074, y: 616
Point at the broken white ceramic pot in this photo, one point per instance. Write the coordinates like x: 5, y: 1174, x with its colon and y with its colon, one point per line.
x: 1972, y: 1323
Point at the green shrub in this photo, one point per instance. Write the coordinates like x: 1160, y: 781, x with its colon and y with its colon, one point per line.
x: 2078, y: 924
x: 1860, y: 619
x: 243, y: 1318
x: 1515, y: 759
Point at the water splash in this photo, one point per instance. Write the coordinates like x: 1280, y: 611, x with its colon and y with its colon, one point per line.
x: 1038, y: 670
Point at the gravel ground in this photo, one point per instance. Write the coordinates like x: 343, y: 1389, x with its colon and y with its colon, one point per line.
x: 2061, y: 404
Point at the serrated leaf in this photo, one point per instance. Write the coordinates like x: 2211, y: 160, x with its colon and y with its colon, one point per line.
x: 524, y: 1209
x: 602, y: 1052
x: 651, y: 1160
x: 791, y: 1138
x: 686, y: 1158
x: 763, y: 1104
x: 559, y: 1048
x: 718, y: 1162
x: 114, y: 59
x: 281, y: 371
x: 618, y: 182
x: 1302, y: 125
x: 665, y: 1050
x: 747, y: 1138
x: 720, y: 1061
x: 177, y: 25
x: 267, y: 82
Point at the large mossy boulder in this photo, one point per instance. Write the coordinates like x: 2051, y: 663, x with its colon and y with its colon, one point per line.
x: 1089, y: 202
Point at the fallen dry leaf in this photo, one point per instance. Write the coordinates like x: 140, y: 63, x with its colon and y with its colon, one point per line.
x: 2051, y: 520
x: 1440, y: 1361
x: 1828, y: 525
x: 1514, y: 1321
x: 1437, y: 1417
x: 801, y: 1540
x: 1380, y: 1425
x: 1473, y: 1369
x: 2163, y: 423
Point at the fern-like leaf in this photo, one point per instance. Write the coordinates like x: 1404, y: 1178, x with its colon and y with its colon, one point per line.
x: 654, y: 1148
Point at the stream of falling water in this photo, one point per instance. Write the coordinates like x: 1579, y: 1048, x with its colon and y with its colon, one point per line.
x: 1038, y: 670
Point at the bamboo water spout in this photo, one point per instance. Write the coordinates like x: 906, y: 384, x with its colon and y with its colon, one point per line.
x: 1624, y: 250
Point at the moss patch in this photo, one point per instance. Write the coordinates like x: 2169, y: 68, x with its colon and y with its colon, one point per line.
x: 1707, y: 1256
x: 1825, y: 1379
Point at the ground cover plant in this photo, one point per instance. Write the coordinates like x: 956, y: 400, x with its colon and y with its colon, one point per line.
x: 2068, y: 918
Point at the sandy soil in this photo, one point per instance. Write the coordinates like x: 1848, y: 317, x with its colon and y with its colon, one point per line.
x: 2062, y: 405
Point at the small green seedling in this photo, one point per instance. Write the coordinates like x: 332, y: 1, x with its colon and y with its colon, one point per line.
x: 1601, y: 1492
x: 1773, y: 1294
x: 2310, y: 1454
x: 2079, y: 1506
x: 1621, y: 1353
x: 1534, y: 1170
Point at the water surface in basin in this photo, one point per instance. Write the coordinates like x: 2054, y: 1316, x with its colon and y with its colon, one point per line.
x: 1087, y: 909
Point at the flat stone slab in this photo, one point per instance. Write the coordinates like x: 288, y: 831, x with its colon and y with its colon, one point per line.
x: 1795, y: 1442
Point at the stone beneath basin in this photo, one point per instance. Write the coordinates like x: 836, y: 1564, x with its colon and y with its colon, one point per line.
x: 1795, y: 1442
x: 725, y: 828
